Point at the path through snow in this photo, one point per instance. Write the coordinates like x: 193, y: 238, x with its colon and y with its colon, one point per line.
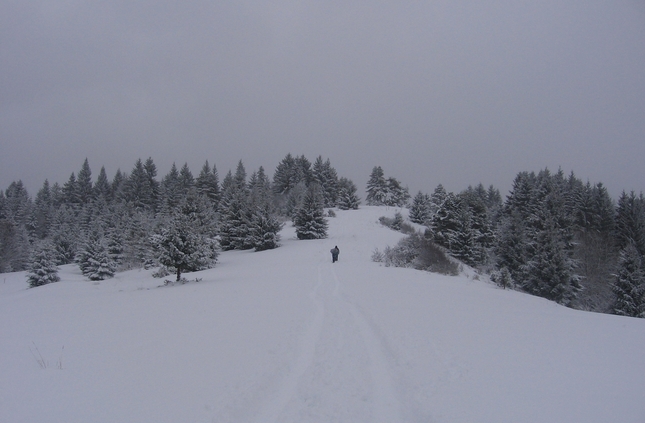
x: 340, y: 372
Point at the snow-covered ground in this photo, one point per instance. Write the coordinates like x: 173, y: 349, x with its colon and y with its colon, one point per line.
x: 287, y: 336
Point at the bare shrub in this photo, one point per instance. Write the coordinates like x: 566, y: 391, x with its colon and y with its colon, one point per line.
x: 433, y: 258
x: 419, y: 253
x: 503, y: 278
x: 407, y: 229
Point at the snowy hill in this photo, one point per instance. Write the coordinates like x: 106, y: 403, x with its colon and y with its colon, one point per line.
x: 286, y: 336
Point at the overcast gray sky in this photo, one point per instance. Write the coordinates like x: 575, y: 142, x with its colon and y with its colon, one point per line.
x: 451, y: 92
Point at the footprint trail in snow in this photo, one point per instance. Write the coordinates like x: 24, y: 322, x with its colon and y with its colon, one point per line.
x: 341, y: 372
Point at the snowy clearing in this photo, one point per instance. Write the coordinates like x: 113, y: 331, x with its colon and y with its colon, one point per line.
x: 286, y: 336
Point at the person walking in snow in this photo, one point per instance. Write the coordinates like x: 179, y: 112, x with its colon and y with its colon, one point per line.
x: 334, y: 254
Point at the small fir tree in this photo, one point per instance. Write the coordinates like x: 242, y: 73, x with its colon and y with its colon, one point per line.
x: 420, y: 210
x: 43, y: 269
x: 347, y: 198
x: 101, y: 266
x: 265, y: 228
x: 309, y: 219
x: 93, y: 258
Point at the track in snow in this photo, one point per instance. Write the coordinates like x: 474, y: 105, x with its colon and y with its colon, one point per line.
x: 341, y: 372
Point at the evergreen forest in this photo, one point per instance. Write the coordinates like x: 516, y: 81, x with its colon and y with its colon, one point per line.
x: 553, y: 236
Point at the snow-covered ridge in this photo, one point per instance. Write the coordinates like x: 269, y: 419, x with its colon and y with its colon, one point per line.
x: 284, y: 335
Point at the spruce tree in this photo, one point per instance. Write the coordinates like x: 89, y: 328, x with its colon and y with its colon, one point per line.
x: 64, y: 235
x: 283, y: 177
x: 265, y: 228
x: 535, y: 236
x: 43, y: 269
x: 186, y: 179
x: 93, y: 258
x: 629, y: 284
x: 445, y: 222
x: 377, y: 190
x: 84, y: 184
x: 436, y: 199
x: 630, y: 221
x: 136, y: 190
x: 185, y: 243
x: 70, y: 191
x: 171, y: 191
x: 101, y: 266
x: 235, y: 212
x: 207, y: 184
x: 102, y: 188
x: 420, y: 210
x: 550, y: 270
x: 325, y: 175
x: 118, y: 187
x: 153, y: 186
x: 347, y: 198
x: 309, y: 219
x: 43, y: 211
x: 396, y: 194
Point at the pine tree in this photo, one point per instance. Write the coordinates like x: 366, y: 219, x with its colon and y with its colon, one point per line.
x: 42, y: 211
x: 93, y: 258
x: 347, y: 198
x: 15, y: 247
x: 186, y: 179
x: 136, y: 226
x: 18, y: 204
x: 377, y: 190
x: 64, y: 235
x: 303, y: 172
x: 630, y: 221
x: 595, y: 249
x: 84, y: 184
x: 70, y: 191
x: 436, y: 199
x: 397, y: 195
x: 171, y: 191
x: 514, y: 232
x: 239, y: 178
x: 186, y: 243
x: 283, y: 178
x: 207, y: 184
x: 153, y: 187
x: 57, y: 195
x: 535, y: 236
x: 115, y: 245
x: 118, y: 185
x: 234, y: 221
x: 550, y: 270
x: 43, y: 269
x: 445, y: 222
x: 420, y: 210
x: 325, y: 175
x: 629, y: 285
x: 265, y: 228
x: 294, y: 199
x: 235, y: 212
x: 101, y: 266
x: 478, y: 223
x: 102, y: 188
x: 136, y: 187
x: 309, y: 219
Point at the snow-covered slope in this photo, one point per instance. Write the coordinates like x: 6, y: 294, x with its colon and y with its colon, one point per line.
x: 287, y: 336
